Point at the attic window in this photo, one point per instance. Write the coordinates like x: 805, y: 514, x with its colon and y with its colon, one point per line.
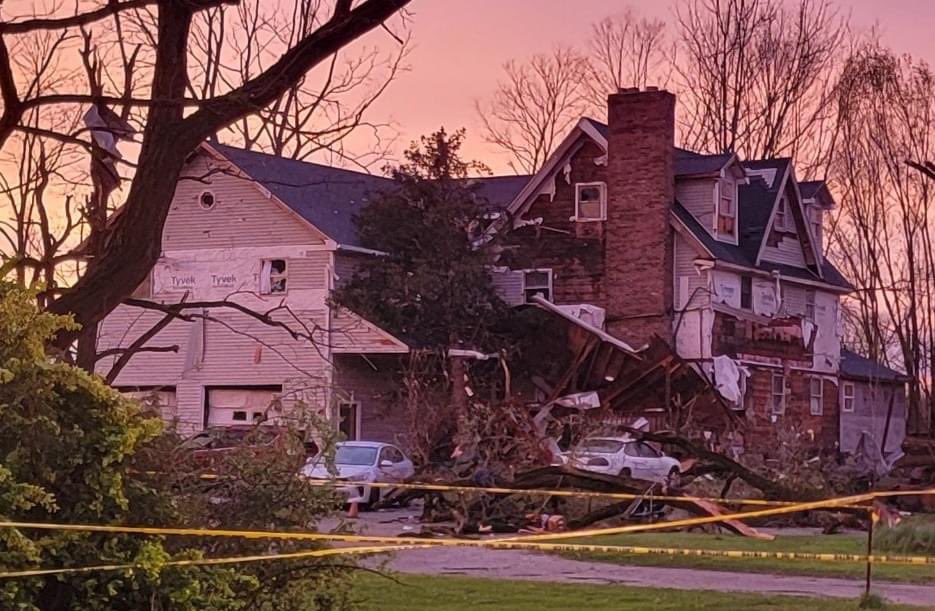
x: 537, y: 282
x: 273, y: 277
x: 206, y: 200
x: 727, y: 208
x: 590, y: 201
x: 780, y: 222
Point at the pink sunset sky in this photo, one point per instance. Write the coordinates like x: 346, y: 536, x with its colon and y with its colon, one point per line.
x: 460, y: 47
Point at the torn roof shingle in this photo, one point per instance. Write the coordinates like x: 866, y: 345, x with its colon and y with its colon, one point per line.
x: 854, y: 365
x: 329, y: 197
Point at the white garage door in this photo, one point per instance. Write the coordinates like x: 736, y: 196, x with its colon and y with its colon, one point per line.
x: 228, y: 406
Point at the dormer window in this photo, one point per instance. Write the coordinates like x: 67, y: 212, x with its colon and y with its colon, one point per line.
x: 727, y: 209
x: 590, y: 201
x: 780, y: 221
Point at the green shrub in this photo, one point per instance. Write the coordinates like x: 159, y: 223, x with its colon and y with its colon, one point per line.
x: 73, y: 450
x: 914, y: 535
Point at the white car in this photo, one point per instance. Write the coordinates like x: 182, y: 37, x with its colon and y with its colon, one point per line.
x: 623, y: 456
x: 360, y: 463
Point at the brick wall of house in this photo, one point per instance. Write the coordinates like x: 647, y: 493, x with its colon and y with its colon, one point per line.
x: 573, y: 251
x: 640, y: 187
x: 761, y: 431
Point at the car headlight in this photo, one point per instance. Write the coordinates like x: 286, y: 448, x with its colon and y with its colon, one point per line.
x: 360, y: 477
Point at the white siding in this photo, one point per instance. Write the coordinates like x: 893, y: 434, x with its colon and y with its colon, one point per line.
x: 871, y: 406
x: 236, y: 351
x: 308, y: 272
x: 692, y: 296
x: 788, y: 251
x: 726, y: 288
x: 828, y: 341
x: 509, y: 286
x: 244, y: 214
x: 345, y: 266
x: 793, y: 300
x: 689, y: 284
x: 697, y: 196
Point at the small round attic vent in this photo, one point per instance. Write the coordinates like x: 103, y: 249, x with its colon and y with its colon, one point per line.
x: 207, y: 200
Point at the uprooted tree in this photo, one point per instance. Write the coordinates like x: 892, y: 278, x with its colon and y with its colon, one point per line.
x: 152, y: 40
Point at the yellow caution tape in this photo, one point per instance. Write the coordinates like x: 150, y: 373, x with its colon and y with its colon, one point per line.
x: 844, y: 501
x: 520, y: 543
x: 213, y: 561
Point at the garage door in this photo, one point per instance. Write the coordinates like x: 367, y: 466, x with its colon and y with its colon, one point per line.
x: 230, y: 406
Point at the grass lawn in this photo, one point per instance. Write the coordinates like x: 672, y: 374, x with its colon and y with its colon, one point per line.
x: 843, y: 544
x: 452, y: 593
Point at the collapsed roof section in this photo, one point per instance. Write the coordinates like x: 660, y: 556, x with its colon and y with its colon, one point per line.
x: 652, y: 382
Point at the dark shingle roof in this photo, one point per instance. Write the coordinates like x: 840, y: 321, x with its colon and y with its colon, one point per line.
x: 855, y: 366
x: 687, y: 163
x: 329, y: 197
x: 756, y: 205
x: 809, y: 188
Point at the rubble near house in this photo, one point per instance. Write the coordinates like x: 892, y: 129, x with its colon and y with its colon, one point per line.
x: 626, y: 384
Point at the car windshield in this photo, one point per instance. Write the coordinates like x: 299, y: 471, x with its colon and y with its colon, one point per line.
x: 604, y: 446
x: 355, y: 455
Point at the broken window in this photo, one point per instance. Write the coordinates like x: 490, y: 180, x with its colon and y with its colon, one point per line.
x: 847, y: 397
x: 780, y: 222
x: 815, y: 402
x: 727, y: 208
x: 810, y: 305
x: 537, y: 282
x: 778, y: 394
x: 273, y: 276
x: 349, y: 420
x: 815, y: 217
x: 746, y: 292
x: 590, y: 201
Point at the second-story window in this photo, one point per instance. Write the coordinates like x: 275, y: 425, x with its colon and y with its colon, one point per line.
x: 810, y: 305
x: 537, y: 282
x: 590, y: 201
x: 848, y: 396
x: 816, y: 408
x: 777, y: 394
x: 746, y: 292
x: 273, y: 277
x: 727, y: 209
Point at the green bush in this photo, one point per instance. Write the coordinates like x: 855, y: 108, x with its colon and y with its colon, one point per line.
x: 914, y: 535
x: 73, y: 450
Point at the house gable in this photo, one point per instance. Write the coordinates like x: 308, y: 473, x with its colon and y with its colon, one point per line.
x: 788, y: 239
x: 243, y: 213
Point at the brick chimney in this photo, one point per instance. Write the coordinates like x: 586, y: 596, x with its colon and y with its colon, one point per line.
x: 640, y: 192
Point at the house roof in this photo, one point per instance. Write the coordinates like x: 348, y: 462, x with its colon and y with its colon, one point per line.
x: 329, y: 197
x: 687, y: 163
x: 756, y: 205
x: 854, y: 365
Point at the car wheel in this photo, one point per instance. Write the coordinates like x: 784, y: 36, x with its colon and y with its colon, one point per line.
x: 674, y: 476
x: 373, y: 498
x: 625, y: 472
